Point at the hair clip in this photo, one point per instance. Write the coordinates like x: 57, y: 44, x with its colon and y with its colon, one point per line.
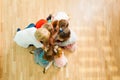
x: 61, y: 30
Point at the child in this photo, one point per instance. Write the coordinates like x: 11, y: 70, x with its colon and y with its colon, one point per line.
x: 60, y: 25
x: 33, y: 36
x: 59, y: 59
x: 66, y: 38
x: 39, y: 58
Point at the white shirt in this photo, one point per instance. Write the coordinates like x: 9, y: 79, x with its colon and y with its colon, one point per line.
x: 26, y: 37
x: 71, y: 40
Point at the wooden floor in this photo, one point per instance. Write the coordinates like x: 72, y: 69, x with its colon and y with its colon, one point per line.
x: 92, y: 20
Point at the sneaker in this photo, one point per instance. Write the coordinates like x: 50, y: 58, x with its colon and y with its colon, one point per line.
x: 31, y: 52
x: 18, y: 29
x: 30, y: 26
x: 44, y: 70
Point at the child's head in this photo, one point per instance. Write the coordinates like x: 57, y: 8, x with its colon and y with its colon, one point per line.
x: 42, y: 35
x: 58, y: 51
x: 63, y: 30
x: 63, y: 35
x: 63, y: 23
x: 60, y: 24
x: 49, y: 55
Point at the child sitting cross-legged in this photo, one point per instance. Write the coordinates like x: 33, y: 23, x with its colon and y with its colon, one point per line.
x: 66, y: 38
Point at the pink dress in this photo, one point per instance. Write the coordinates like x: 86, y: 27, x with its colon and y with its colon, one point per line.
x: 61, y: 61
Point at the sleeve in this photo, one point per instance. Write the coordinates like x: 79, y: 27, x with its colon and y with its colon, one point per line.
x: 19, y: 39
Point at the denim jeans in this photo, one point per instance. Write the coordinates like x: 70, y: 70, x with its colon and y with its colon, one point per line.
x: 30, y: 26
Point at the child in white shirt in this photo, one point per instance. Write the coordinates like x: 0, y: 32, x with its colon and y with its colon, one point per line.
x: 33, y: 36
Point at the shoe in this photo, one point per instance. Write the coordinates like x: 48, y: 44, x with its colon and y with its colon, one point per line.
x: 31, y: 52
x: 18, y: 29
x: 44, y: 71
x: 30, y: 26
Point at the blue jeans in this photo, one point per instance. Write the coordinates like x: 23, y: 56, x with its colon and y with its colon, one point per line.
x: 29, y: 26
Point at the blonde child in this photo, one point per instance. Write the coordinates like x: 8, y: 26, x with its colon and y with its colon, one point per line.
x: 59, y: 59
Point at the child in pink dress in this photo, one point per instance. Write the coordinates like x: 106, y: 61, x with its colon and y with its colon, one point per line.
x: 59, y: 59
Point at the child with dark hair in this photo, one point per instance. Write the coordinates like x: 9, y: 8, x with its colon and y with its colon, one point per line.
x: 65, y: 38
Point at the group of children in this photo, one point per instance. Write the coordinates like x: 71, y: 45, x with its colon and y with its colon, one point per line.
x: 50, y: 36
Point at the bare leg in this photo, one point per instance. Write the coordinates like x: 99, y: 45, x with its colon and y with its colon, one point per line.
x: 31, y: 52
x: 47, y: 67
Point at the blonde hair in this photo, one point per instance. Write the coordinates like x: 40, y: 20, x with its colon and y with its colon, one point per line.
x: 59, y: 52
x: 42, y: 34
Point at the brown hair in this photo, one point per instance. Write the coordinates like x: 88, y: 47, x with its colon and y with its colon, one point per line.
x: 49, y: 55
x: 63, y: 24
x: 64, y: 33
x: 60, y: 24
x: 59, y: 52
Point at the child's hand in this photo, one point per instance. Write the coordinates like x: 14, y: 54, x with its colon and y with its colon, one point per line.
x: 57, y: 43
x: 44, y: 48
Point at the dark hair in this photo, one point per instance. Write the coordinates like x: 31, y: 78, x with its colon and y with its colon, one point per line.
x: 62, y: 27
x: 63, y: 24
x: 65, y: 34
x: 49, y: 54
x: 48, y: 57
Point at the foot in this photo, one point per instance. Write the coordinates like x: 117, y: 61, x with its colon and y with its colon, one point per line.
x: 31, y: 52
x: 44, y: 71
x: 18, y: 29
